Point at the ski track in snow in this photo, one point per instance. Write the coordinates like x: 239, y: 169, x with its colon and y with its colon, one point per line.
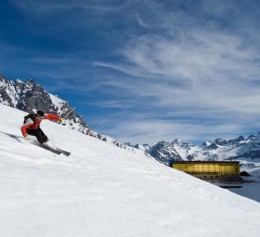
x: 105, y: 191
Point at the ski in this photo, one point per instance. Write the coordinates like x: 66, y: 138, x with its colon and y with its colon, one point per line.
x: 57, y: 151
x: 66, y: 153
x: 51, y: 149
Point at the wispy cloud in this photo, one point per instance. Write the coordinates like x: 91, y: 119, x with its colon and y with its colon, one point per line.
x: 210, y: 72
x: 48, y: 6
x: 158, y: 69
x: 139, y: 128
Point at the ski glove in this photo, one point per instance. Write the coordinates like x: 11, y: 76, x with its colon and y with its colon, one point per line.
x: 61, y: 119
x: 26, y: 137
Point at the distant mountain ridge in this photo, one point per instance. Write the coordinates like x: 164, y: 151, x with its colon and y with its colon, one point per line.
x: 243, y: 148
x: 29, y: 97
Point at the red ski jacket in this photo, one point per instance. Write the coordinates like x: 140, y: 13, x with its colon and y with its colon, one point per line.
x: 30, y: 124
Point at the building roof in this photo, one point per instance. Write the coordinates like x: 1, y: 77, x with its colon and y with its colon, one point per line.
x: 205, y: 162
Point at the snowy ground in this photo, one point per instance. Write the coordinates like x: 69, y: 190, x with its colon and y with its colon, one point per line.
x: 104, y: 191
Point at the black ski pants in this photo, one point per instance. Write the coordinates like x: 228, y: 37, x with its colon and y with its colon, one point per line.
x: 39, y: 134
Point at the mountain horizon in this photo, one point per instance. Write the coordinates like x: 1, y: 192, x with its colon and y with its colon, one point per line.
x: 30, y: 96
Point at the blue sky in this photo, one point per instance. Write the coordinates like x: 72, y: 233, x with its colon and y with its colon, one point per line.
x: 142, y: 71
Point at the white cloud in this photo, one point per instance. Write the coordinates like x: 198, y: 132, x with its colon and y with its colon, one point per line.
x: 149, y: 130
x: 48, y: 6
x: 171, y: 72
x: 206, y: 76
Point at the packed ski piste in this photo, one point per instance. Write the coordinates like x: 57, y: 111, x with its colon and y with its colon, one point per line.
x: 105, y: 191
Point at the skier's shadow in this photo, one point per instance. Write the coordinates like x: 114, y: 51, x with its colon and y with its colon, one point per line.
x: 12, y: 136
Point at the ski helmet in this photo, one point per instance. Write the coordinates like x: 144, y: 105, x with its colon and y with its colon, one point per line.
x: 39, y: 112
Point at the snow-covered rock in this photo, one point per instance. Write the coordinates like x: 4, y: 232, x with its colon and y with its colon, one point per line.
x: 29, y: 96
x: 247, y: 148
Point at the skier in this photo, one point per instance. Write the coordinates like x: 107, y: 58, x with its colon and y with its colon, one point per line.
x: 32, y: 126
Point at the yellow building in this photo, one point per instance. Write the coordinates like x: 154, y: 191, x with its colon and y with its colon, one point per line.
x: 213, y: 171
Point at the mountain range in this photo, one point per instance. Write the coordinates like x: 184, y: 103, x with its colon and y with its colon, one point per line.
x: 242, y: 148
x: 29, y: 96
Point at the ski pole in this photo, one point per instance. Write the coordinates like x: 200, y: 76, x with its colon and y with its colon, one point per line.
x: 70, y: 112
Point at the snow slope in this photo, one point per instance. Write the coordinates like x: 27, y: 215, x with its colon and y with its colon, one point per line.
x: 104, y: 191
